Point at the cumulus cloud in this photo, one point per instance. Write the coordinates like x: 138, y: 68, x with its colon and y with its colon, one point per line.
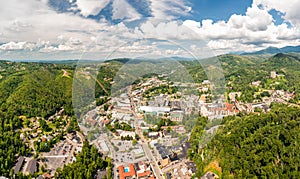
x: 12, y: 46
x: 290, y: 9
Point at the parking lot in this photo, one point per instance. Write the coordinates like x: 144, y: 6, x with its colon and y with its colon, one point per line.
x: 61, y: 154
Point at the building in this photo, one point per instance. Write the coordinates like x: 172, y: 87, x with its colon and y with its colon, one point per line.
x: 165, y: 162
x: 31, y: 167
x: 145, y: 129
x: 256, y: 83
x: 162, y: 151
x: 145, y: 174
x: 209, y: 175
x: 126, y: 133
x: 180, y: 129
x: 177, y: 115
x: 229, y: 109
x: 233, y: 95
x: 139, y: 152
x: 206, y: 82
x: 191, y: 166
x: 127, y: 172
x: 18, y: 165
x: 155, y: 110
x: 153, y: 134
x: 273, y: 74
x: 104, y: 147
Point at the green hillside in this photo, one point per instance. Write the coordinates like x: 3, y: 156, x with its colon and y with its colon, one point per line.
x: 254, y: 146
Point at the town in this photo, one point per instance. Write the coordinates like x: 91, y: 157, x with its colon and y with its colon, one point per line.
x: 144, y: 128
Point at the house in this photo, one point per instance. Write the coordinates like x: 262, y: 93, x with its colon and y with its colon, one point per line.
x: 273, y: 74
x: 206, y: 82
x: 209, y: 175
x: 256, y: 83
x: 31, y: 167
x: 47, y: 176
x: 18, y: 165
x: 153, y: 134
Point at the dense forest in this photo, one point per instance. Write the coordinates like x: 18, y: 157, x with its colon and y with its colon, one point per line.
x: 248, y: 146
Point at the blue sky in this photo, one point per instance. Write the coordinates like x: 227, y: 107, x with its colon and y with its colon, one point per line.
x: 72, y: 29
x: 218, y: 9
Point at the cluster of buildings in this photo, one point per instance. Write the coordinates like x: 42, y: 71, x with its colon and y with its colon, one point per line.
x: 278, y: 96
x: 25, y: 165
x: 61, y: 154
x: 131, y: 107
x: 138, y: 170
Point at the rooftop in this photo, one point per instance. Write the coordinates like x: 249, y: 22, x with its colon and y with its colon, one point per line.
x: 128, y: 173
x: 19, y: 164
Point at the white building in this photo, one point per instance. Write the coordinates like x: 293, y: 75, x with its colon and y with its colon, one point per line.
x: 151, y: 109
x: 273, y: 74
x: 127, y: 133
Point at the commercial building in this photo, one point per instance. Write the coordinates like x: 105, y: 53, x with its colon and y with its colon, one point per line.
x: 127, y: 172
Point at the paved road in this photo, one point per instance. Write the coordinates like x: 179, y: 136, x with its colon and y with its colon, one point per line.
x: 55, y: 156
x: 112, y: 153
x: 153, y: 163
x: 149, y: 155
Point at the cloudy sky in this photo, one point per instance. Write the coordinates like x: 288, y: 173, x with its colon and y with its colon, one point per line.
x: 98, y: 29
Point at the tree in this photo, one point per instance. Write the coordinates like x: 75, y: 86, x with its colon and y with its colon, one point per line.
x: 134, y: 142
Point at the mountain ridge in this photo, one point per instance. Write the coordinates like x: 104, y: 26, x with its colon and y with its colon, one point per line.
x: 275, y: 50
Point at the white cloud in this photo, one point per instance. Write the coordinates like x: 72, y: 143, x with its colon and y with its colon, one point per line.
x: 257, y: 19
x: 290, y: 9
x: 123, y: 10
x: 169, y: 9
x: 91, y: 7
x: 34, y: 27
x: 11, y: 46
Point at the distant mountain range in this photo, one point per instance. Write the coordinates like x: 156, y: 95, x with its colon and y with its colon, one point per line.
x: 274, y: 50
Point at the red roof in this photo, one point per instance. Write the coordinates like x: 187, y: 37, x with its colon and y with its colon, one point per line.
x: 228, y: 107
x: 124, y: 174
x: 46, y: 175
x: 147, y: 173
x: 106, y: 121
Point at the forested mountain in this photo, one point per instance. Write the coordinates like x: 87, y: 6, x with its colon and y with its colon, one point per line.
x: 253, y: 146
x: 28, y: 89
x: 274, y: 50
